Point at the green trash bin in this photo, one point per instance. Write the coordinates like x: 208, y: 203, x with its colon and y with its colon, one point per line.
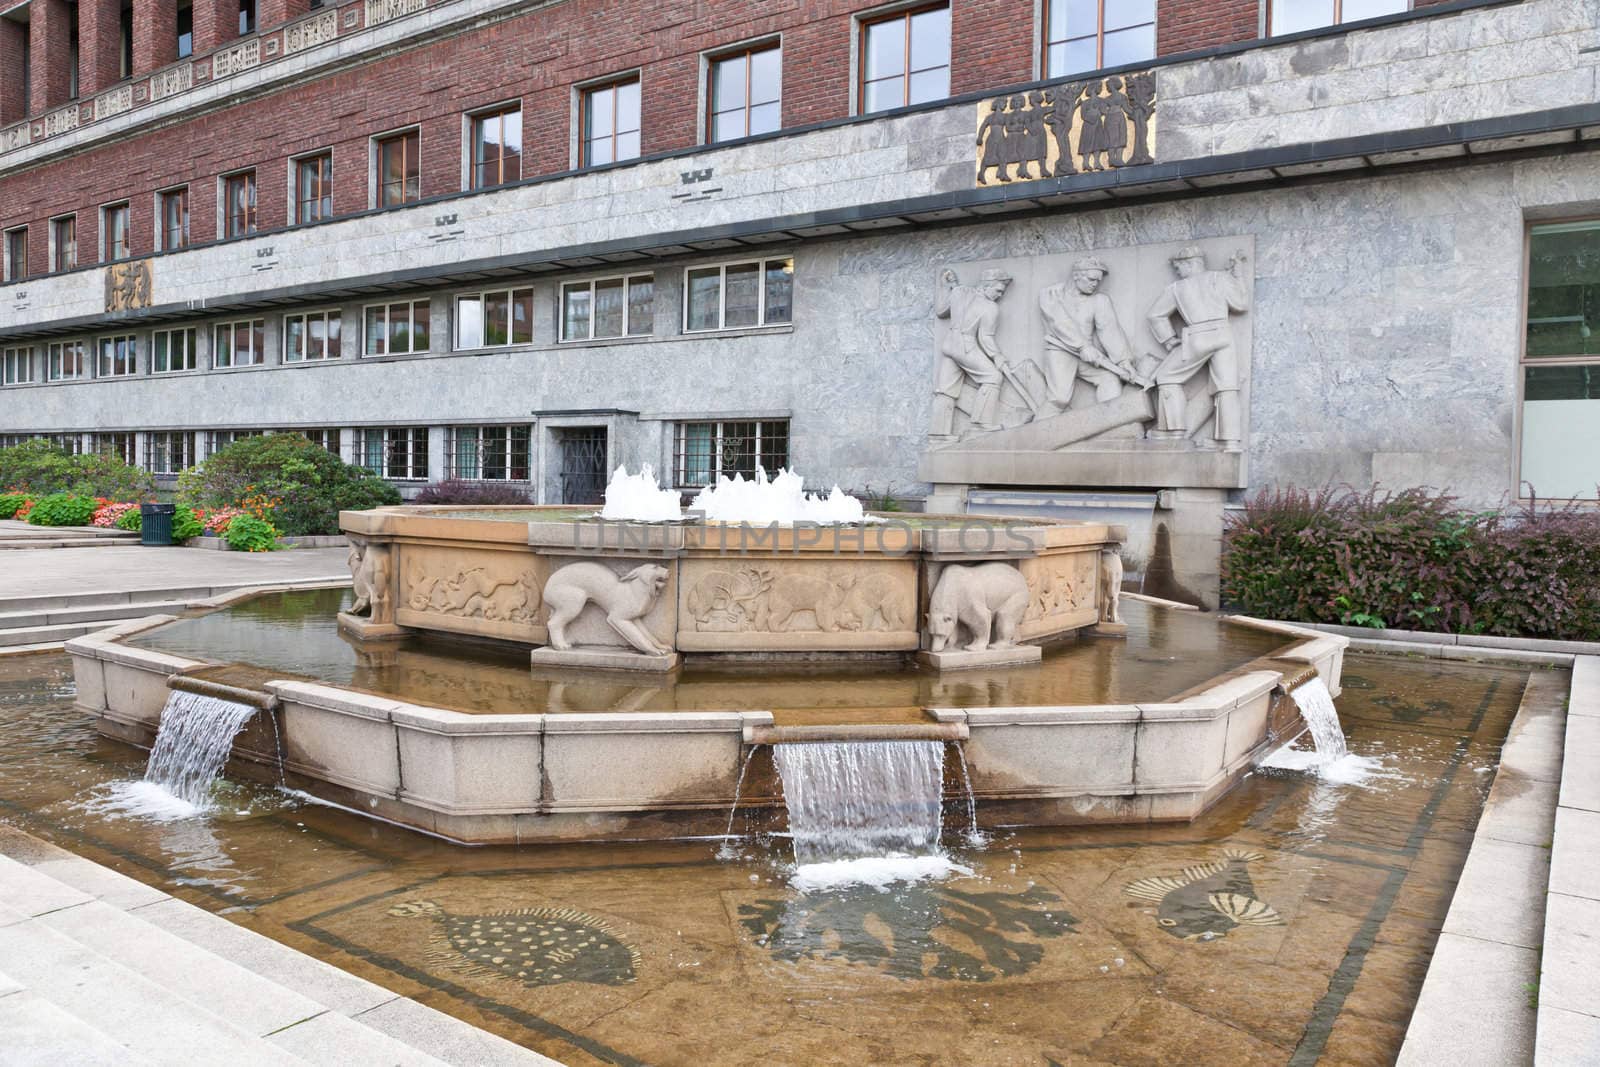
x: 155, y: 523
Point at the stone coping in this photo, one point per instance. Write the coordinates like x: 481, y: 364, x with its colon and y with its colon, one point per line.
x: 1482, y: 642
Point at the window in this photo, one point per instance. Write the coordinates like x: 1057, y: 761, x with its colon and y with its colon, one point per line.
x: 321, y: 436
x: 397, y: 453
x: 237, y: 344
x: 247, y: 17
x: 239, y: 203
x: 16, y: 264
x: 497, y: 147
x: 115, y: 444
x: 118, y: 357
x: 68, y: 361
x: 168, y: 453
x: 704, y: 451
x: 125, y: 40
x: 1089, y: 34
x: 1561, y: 363
x: 16, y: 366
x: 745, y: 93
x: 217, y: 440
x: 115, y: 230
x: 608, y: 307
x: 74, y: 50
x: 313, y: 188
x: 738, y: 294
x: 172, y: 350
x: 70, y: 443
x: 174, y: 228
x: 610, y: 117
x: 186, y: 30
x: 64, y: 243
x: 312, y: 335
x: 484, y: 320
x: 487, y: 453
x: 399, y: 168
x: 905, y: 58
x: 396, y: 329
x: 1291, y: 16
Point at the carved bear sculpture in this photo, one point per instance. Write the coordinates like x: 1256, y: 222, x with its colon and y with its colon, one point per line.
x: 986, y: 600
x: 625, y: 600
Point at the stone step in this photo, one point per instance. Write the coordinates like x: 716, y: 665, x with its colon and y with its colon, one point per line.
x: 66, y: 542
x: 49, y: 635
x: 107, y: 598
x: 28, y: 892
x: 14, y: 620
x: 38, y: 1032
x: 115, y: 999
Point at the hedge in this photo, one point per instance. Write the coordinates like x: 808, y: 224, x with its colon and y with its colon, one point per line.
x: 286, y: 479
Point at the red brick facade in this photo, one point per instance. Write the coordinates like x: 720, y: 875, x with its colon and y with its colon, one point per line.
x: 1184, y: 26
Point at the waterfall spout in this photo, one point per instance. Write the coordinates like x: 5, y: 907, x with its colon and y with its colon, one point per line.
x: 193, y: 742
x: 1316, y: 707
x: 857, y: 799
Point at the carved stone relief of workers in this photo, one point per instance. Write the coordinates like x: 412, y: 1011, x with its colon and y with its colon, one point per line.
x: 1083, y: 338
x: 992, y: 139
x: 968, y: 350
x: 1202, y: 300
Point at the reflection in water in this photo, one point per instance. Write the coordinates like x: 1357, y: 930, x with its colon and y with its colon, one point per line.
x: 295, y: 634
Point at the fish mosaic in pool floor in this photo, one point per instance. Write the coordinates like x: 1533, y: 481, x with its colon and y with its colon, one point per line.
x: 1044, y: 954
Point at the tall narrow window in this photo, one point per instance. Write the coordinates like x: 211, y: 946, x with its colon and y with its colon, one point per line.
x: 68, y: 361
x: 399, y: 168
x: 186, y: 29
x: 313, y: 188
x: 1560, y: 453
x: 1085, y: 35
x: 905, y: 58
x: 16, y: 264
x: 238, y: 344
x: 114, y: 226
x: 172, y: 350
x: 610, y: 123
x: 118, y: 357
x: 115, y: 444
x: 175, y: 219
x: 311, y: 336
x: 239, y: 203
x: 1292, y: 16
x: 746, y: 93
x: 64, y: 243
x: 125, y: 39
x: 74, y: 52
x: 497, y: 147
x: 168, y: 453
x: 247, y: 17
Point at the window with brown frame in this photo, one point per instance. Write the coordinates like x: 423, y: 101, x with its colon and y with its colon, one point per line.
x: 497, y: 147
x: 239, y: 203
x: 745, y: 92
x: 905, y: 58
x: 399, y: 168
x: 1085, y: 35
x: 16, y: 265
x: 313, y: 188
x: 175, y: 219
x: 64, y: 243
x: 1292, y: 16
x: 610, y: 122
x: 114, y: 227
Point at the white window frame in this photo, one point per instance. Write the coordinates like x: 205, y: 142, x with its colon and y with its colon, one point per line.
x: 481, y: 296
x: 101, y: 362
x: 130, y: 455
x: 452, y: 451
x: 628, y: 282
x: 16, y: 365
x: 359, y: 457
x: 761, y: 322
x: 327, y: 315
x: 368, y: 309
x: 679, y: 452
x: 151, y: 451
x: 259, y: 357
x: 191, y: 339
x: 55, y: 361
x: 1267, y: 31
x: 222, y: 204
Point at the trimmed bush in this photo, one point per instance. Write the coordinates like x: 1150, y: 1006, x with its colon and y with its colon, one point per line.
x: 131, y: 520
x: 63, y: 509
x: 284, y: 478
x: 185, y: 524
x: 473, y: 494
x: 41, y: 468
x: 10, y: 503
x: 246, y: 533
x: 1415, y: 560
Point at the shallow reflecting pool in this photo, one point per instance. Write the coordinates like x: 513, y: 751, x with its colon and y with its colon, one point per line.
x: 1292, y: 923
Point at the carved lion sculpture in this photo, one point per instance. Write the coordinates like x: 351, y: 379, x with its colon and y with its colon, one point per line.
x: 986, y: 600
x: 625, y: 600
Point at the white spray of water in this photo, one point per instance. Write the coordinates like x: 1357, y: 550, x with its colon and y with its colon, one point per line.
x: 1331, y: 759
x: 637, y: 498
x: 1316, y: 707
x: 192, y: 744
x: 781, y: 499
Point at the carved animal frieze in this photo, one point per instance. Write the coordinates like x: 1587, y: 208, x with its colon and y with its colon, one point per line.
x: 874, y: 603
x: 624, y: 599
x: 726, y: 601
x: 769, y: 600
x: 976, y: 606
x: 1059, y: 585
x: 477, y: 593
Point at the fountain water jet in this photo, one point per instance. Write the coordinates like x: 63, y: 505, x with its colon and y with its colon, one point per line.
x: 192, y: 743
x: 1316, y: 707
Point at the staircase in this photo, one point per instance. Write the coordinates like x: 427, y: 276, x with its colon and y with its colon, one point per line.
x: 96, y: 968
x: 20, y: 535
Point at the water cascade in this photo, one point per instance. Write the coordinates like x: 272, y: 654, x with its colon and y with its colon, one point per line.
x: 1316, y: 707
x: 192, y: 743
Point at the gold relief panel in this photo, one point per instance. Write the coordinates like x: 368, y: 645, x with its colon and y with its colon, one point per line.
x: 128, y: 285
x: 1067, y: 128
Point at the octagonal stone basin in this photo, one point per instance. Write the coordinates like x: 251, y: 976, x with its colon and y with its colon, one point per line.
x: 465, y: 741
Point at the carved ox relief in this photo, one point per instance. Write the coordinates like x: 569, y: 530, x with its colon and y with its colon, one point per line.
x: 769, y: 600
x: 474, y: 593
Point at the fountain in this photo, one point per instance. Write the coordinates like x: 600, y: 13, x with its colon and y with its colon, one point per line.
x: 1322, y: 718
x: 892, y: 636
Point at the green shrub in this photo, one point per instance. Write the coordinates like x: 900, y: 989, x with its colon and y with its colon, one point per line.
x: 41, y: 468
x: 246, y: 533
x: 10, y: 502
x: 131, y: 520
x: 1415, y: 560
x: 185, y: 524
x: 63, y: 509
x: 299, y: 485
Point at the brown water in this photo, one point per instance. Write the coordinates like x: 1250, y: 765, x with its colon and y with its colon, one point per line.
x: 295, y: 634
x: 1042, y: 956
